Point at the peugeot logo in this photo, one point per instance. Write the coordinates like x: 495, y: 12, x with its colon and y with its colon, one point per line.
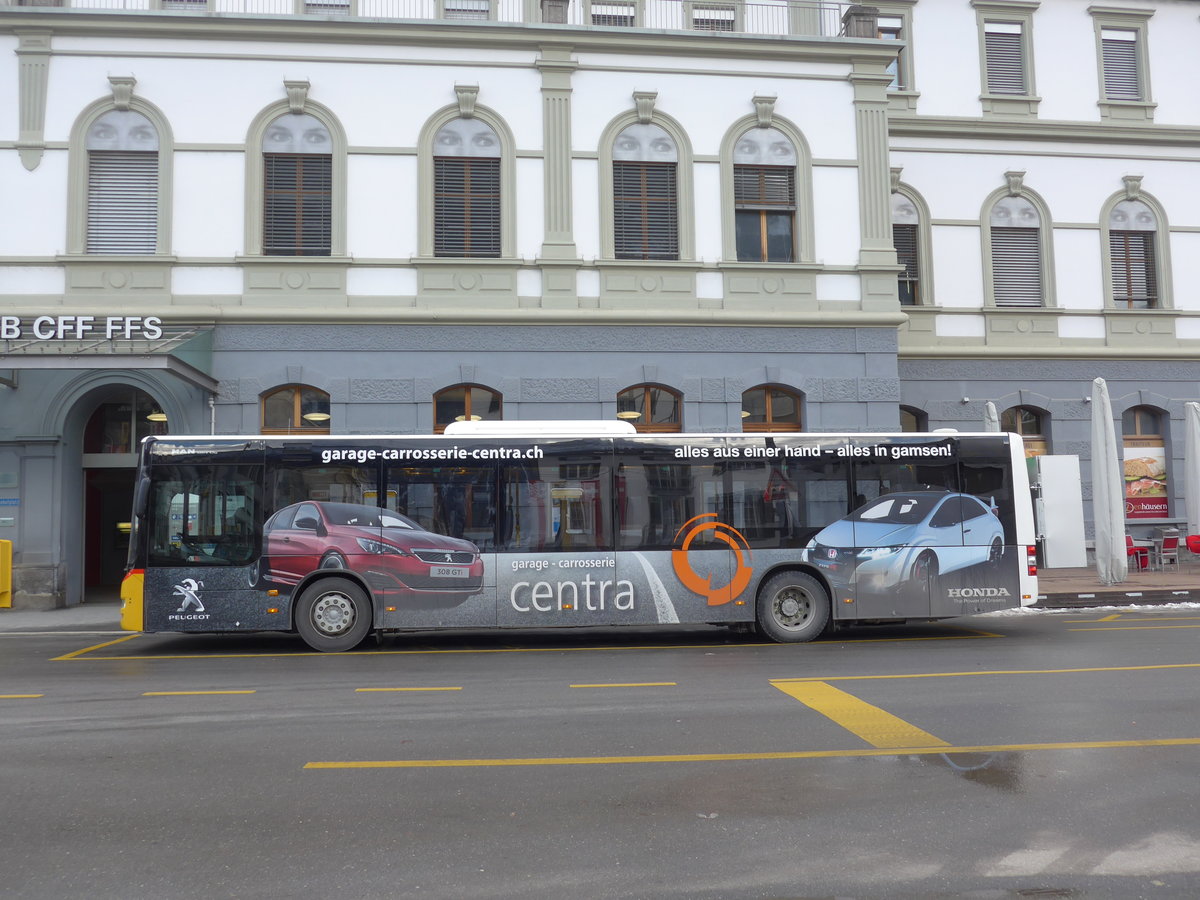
x: 449, y: 557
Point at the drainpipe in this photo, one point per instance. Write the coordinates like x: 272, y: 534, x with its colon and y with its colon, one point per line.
x: 212, y: 414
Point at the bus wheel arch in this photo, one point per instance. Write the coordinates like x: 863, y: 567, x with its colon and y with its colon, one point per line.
x: 333, y: 613
x: 793, y: 606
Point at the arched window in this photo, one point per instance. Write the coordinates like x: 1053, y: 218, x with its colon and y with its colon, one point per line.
x: 1016, y: 252
x: 1028, y: 423
x: 122, y: 184
x: 764, y: 196
x: 1133, y: 256
x: 1145, y: 463
x: 118, y: 425
x: 466, y: 189
x: 645, y: 193
x: 295, y: 409
x: 650, y: 408
x: 913, y: 419
x: 466, y: 403
x: 906, y: 235
x: 770, y: 408
x: 297, y: 152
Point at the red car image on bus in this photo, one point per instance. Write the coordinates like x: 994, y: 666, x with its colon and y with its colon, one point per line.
x: 395, y: 554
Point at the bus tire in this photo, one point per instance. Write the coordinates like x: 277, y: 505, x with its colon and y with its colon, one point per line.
x: 792, y: 607
x: 333, y: 614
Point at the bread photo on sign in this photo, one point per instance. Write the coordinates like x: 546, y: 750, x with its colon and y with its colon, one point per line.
x: 1144, y: 477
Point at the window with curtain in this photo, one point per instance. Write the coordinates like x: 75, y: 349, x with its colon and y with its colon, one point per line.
x: 295, y: 409
x: 1004, y: 57
x: 906, y: 236
x: 466, y: 190
x: 764, y: 196
x: 1132, y: 228
x: 297, y: 187
x: 122, y: 184
x: 1015, y: 230
x: 650, y: 408
x: 770, y: 408
x: 645, y: 194
x: 466, y: 403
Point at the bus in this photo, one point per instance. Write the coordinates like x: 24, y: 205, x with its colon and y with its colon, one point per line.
x: 529, y: 525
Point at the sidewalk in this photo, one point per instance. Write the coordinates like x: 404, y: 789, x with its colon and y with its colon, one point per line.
x: 93, y: 618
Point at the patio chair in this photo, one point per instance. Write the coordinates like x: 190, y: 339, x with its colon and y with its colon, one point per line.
x: 1137, y: 556
x: 1193, y: 543
x: 1167, y: 553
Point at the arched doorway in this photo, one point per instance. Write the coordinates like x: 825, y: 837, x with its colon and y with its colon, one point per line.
x: 111, y: 435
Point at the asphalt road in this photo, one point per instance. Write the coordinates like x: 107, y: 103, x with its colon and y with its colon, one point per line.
x: 1050, y: 754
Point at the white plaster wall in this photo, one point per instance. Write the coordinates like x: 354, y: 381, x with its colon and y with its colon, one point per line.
x: 9, y: 117
x: 1089, y: 327
x: 32, y: 280
x: 1185, y: 266
x: 835, y: 214
x: 381, y: 206
x: 585, y: 189
x: 210, y: 209
x: 1078, y: 269
x: 707, y: 181
x: 531, y: 213
x: 957, y: 266
x: 220, y: 280
x: 945, y: 59
x: 1065, y: 67
x: 35, y: 206
x: 381, y: 282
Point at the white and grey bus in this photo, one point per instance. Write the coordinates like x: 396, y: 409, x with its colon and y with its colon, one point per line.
x: 574, y: 524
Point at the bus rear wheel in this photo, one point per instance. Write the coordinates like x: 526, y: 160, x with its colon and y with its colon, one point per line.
x: 333, y: 614
x: 792, y: 607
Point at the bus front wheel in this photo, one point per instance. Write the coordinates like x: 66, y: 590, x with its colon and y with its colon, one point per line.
x: 792, y: 607
x: 333, y: 614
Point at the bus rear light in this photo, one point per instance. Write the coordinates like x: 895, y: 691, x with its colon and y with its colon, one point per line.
x: 1031, y: 559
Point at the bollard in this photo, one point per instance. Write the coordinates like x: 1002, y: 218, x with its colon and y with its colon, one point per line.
x: 5, y: 574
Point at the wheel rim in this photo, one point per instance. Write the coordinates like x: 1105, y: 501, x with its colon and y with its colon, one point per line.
x: 333, y: 614
x: 995, y: 553
x: 792, y: 608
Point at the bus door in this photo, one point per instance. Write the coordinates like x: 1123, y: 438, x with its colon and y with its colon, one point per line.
x: 445, y: 500
x: 554, y: 562
x: 907, y: 529
x: 674, y: 544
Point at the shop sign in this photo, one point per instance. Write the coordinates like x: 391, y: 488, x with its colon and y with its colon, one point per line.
x: 1145, y: 469
x: 78, y: 328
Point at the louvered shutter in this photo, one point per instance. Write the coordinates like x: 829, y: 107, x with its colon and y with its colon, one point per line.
x: 1005, y: 58
x: 1016, y: 266
x: 1119, y: 50
x: 905, y: 239
x: 764, y: 200
x: 645, y: 210
x: 466, y: 206
x: 297, y: 204
x: 1134, y: 274
x: 122, y: 202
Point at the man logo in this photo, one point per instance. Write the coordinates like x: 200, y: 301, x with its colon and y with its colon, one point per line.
x: 716, y: 595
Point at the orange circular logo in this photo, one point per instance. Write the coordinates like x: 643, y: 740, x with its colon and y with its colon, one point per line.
x: 717, y: 595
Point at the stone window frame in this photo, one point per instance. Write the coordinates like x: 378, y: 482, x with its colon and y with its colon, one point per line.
x: 1045, y: 245
x: 255, y: 181
x: 924, y: 243
x: 78, y: 173
x: 685, y: 191
x: 1105, y: 18
x: 638, y: 6
x: 425, y: 179
x: 904, y: 97
x: 1162, y: 248
x: 805, y: 220
x: 1014, y: 12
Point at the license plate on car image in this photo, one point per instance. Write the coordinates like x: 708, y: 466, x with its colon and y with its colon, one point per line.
x: 448, y: 572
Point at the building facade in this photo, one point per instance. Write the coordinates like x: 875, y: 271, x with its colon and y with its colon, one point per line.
x: 379, y: 216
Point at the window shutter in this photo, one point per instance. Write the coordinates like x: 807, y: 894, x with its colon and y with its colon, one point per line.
x: 1134, y: 273
x: 759, y: 186
x: 1121, y: 80
x: 1005, y: 62
x: 905, y: 239
x: 297, y: 204
x: 466, y: 206
x: 122, y: 202
x: 1016, y: 266
x: 645, y: 210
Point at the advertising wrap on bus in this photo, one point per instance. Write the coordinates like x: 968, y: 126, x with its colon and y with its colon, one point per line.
x: 336, y: 537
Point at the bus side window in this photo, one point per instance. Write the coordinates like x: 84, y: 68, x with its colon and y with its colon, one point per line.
x: 204, y: 516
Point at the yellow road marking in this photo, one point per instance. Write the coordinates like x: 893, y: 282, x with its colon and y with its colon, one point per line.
x: 79, y: 653
x: 382, y: 690
x: 745, y: 757
x: 877, y: 727
x: 189, y: 694
x: 778, y: 681
x: 629, y: 684
x: 1111, y: 618
x: 1132, y: 627
x: 20, y: 696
